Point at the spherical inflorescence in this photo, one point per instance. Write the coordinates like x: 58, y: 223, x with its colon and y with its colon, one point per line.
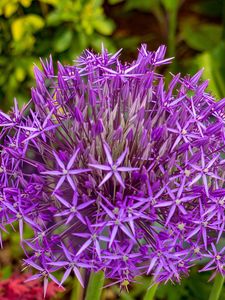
x: 115, y: 170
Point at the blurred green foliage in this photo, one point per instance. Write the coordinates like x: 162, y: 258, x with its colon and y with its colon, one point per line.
x: 31, y: 29
x: 193, y: 30
x: 195, y: 287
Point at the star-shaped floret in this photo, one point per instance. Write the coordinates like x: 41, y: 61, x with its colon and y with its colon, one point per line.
x: 196, y: 117
x: 44, y: 272
x: 13, y: 119
x: 37, y: 128
x: 65, y: 172
x: 177, y: 201
x: 92, y: 236
x: 118, y: 221
x: 183, y: 134
x: 203, y: 171
x: 216, y: 261
x: 70, y: 264
x: 113, y: 168
x: 73, y: 210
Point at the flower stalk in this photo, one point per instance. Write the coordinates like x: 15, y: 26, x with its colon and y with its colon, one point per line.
x: 95, y: 285
x: 77, y: 290
x: 150, y: 294
x: 217, y: 287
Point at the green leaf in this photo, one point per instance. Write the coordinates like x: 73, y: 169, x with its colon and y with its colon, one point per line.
x: 25, y: 3
x: 150, y: 293
x: 95, y: 284
x: 104, y: 26
x: 51, y: 2
x: 20, y: 74
x: 97, y: 41
x: 213, y: 62
x: 26, y: 24
x: 17, y: 29
x: 171, y: 5
x: 217, y: 287
x: 6, y: 272
x: 201, y: 36
x: 10, y: 9
x: 33, y: 20
x: 130, y: 42
x: 53, y: 18
x: 208, y: 7
x: 172, y: 292
x: 142, y: 5
x: 112, y: 2
x: 63, y: 40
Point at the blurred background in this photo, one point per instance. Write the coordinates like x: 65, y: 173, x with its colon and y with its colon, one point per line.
x: 194, y: 32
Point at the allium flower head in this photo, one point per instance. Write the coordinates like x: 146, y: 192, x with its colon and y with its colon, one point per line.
x: 115, y: 170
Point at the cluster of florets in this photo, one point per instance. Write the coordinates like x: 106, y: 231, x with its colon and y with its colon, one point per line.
x: 114, y: 170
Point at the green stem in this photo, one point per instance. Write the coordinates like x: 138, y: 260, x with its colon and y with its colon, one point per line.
x: 219, y: 83
x: 77, y: 291
x: 217, y: 287
x: 223, y: 24
x: 151, y: 292
x: 95, y: 284
x: 172, y: 32
x: 172, y: 7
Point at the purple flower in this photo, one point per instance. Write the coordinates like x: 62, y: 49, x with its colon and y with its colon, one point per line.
x: 65, y: 172
x: 115, y: 170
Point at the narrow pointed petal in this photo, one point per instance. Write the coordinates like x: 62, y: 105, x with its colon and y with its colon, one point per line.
x: 100, y: 167
x: 60, y: 182
x: 66, y: 251
x: 84, y: 246
x: 72, y: 160
x: 78, y: 275
x: 78, y: 171
x: 113, y: 235
x: 119, y: 179
x: 127, y: 169
x: 121, y: 158
x: 106, y: 178
x: 66, y: 275
x: 45, y: 286
x: 71, y: 182
x: 108, y: 154
x: 62, y: 200
x: 60, y: 163
x: 53, y: 173
x: 59, y: 263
